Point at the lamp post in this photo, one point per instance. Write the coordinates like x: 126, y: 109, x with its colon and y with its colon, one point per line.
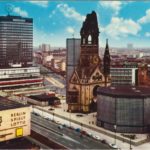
x: 130, y: 143
x: 70, y: 117
x: 53, y: 116
x: 81, y: 126
x: 115, y: 127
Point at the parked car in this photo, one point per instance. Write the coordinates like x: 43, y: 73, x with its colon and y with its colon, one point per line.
x: 89, y: 134
x: 97, y: 137
x: 84, y: 132
x: 78, y: 129
x: 104, y: 142
x: 114, y: 146
x: 58, y: 122
x: 60, y: 127
x: 47, y: 118
x: 64, y: 125
x: 51, y: 109
x: 71, y: 127
x: 79, y: 115
x: 36, y: 114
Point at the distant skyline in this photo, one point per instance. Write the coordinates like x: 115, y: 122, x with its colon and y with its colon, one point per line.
x: 120, y: 21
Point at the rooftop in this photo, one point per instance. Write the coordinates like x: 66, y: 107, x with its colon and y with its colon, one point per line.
x: 9, y: 104
x: 44, y: 97
x: 125, y: 91
x: 10, y: 18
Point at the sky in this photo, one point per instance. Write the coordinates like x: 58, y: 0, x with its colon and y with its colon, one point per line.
x: 122, y: 22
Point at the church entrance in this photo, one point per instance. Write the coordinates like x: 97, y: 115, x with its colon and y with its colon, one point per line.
x: 95, y: 90
x: 93, y: 104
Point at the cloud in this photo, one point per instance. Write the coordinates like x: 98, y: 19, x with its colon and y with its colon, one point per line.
x: 70, y: 30
x: 119, y: 27
x: 70, y: 12
x: 147, y: 34
x: 20, y: 12
x: 40, y: 3
x: 146, y: 18
x: 114, y: 5
x: 52, y: 13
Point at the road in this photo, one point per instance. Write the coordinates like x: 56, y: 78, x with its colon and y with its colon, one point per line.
x: 66, y: 136
x: 55, y: 82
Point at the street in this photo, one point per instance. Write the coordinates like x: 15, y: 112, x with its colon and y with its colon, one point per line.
x: 66, y: 136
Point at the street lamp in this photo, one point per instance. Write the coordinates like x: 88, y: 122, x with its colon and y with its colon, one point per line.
x: 130, y: 143
x: 115, y: 127
x: 53, y: 116
x: 81, y: 126
x: 70, y: 117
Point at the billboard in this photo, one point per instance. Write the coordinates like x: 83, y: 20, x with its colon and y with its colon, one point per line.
x: 15, y: 123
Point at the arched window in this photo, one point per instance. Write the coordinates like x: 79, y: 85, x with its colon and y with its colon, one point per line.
x: 89, y: 39
x: 83, y: 40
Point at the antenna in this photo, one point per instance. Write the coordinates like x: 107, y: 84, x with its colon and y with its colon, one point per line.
x: 9, y: 8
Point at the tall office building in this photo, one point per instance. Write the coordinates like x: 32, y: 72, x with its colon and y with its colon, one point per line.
x: 16, y: 41
x: 72, y: 59
x: 73, y: 55
x: 16, y: 47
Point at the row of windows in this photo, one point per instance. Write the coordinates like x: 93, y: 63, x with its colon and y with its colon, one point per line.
x: 15, y: 38
x: 18, y: 71
x: 121, y: 77
x: 16, y: 23
x: 16, y: 33
x: 118, y: 70
x: 11, y: 42
x: 21, y: 36
x: 15, y: 28
x: 16, y: 47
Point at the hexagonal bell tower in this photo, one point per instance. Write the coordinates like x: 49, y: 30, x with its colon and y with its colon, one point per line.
x: 87, y: 76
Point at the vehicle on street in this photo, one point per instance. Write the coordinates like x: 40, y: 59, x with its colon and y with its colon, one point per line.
x: 104, y: 141
x: 58, y: 122
x: 64, y: 125
x: 71, y: 127
x: 36, y: 114
x: 96, y: 137
x: 79, y: 115
x: 51, y: 109
x: 89, y: 134
x: 47, y: 118
x: 60, y: 127
x: 78, y: 129
x: 114, y: 146
x: 84, y: 132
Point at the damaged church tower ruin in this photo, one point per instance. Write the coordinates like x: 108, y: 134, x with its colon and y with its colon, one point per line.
x: 87, y: 76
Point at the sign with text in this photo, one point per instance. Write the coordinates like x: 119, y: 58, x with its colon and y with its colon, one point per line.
x: 15, y: 123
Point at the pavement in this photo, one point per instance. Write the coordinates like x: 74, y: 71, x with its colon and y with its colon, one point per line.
x: 88, y: 122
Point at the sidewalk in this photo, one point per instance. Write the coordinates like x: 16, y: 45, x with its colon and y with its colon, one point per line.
x: 88, y: 122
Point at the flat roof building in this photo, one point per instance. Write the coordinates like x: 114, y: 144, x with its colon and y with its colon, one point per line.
x: 16, y: 47
x: 124, y: 107
x: 124, y: 76
x: 15, y: 119
x: 16, y: 41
